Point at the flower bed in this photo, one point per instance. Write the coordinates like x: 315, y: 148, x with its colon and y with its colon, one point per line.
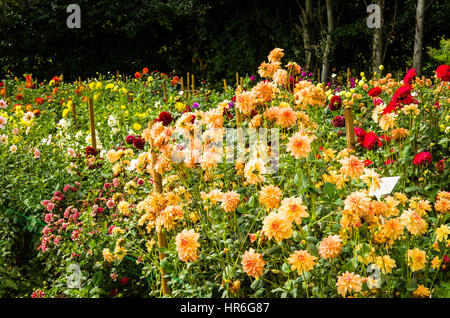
x: 228, y: 213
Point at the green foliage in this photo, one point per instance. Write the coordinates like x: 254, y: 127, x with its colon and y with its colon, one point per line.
x: 441, y: 54
x: 213, y: 39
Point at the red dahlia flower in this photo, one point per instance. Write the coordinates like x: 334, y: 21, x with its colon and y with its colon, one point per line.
x: 165, y: 117
x: 335, y: 103
x: 338, y: 121
x: 137, y: 75
x: 410, y: 75
x: 129, y: 140
x: 421, y: 157
x: 440, y: 165
x: 374, y: 92
x: 139, y: 143
x: 443, y: 72
x: 91, y: 151
x: 370, y: 140
x: 39, y: 100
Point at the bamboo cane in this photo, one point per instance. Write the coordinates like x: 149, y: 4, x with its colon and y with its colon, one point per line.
x: 318, y: 75
x: 74, y: 113
x: 5, y: 91
x: 92, y: 123
x: 162, y: 241
x: 117, y: 75
x: 242, y: 82
x: 349, y: 127
x: 165, y: 91
x: 348, y: 76
x: 193, y: 83
x: 188, y: 86
x: 237, y: 79
x: 225, y: 84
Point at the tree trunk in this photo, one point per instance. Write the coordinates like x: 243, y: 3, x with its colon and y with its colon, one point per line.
x: 326, y: 54
x: 377, y: 43
x: 418, y: 38
x: 306, y: 16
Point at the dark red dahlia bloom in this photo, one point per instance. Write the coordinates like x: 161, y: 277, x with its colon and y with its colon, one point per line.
x: 440, y: 165
x: 443, y: 72
x: 124, y: 280
x: 410, y: 75
x: 187, y: 109
x: 374, y: 92
x: 139, y: 143
x: 335, y: 103
x: 338, y: 121
x: 421, y: 157
x: 130, y: 138
x: 367, y: 162
x: 91, y: 151
x: 165, y: 118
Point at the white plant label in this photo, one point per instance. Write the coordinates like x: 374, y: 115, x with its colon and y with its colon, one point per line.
x: 387, y: 184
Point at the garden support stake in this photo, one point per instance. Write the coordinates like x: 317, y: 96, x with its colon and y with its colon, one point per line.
x: 74, y: 113
x: 165, y: 91
x: 162, y: 241
x: 349, y: 127
x: 5, y: 91
x: 92, y: 123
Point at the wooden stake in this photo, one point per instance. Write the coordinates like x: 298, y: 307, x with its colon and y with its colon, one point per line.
x: 5, y: 91
x: 74, y: 113
x: 188, y: 86
x: 162, y: 241
x: 238, y: 116
x: 237, y: 79
x: 348, y: 76
x: 182, y: 84
x: 242, y: 82
x: 349, y: 127
x: 225, y: 84
x: 165, y: 90
x: 118, y: 75
x: 79, y: 80
x: 92, y: 123
x: 193, y: 83
x: 318, y: 75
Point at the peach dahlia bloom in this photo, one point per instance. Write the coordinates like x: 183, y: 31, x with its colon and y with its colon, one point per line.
x: 286, y: 117
x: 352, y: 167
x: 277, y: 226
x: 330, y: 247
x: 299, y: 145
x: 349, y: 283
x: 253, y: 263
x: 245, y: 101
x: 302, y: 261
x: 230, y: 201
x: 270, y: 196
x: 275, y: 55
x: 293, y: 209
x: 264, y: 91
x: 187, y: 244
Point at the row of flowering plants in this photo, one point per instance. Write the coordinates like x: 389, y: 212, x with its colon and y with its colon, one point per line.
x: 291, y: 217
